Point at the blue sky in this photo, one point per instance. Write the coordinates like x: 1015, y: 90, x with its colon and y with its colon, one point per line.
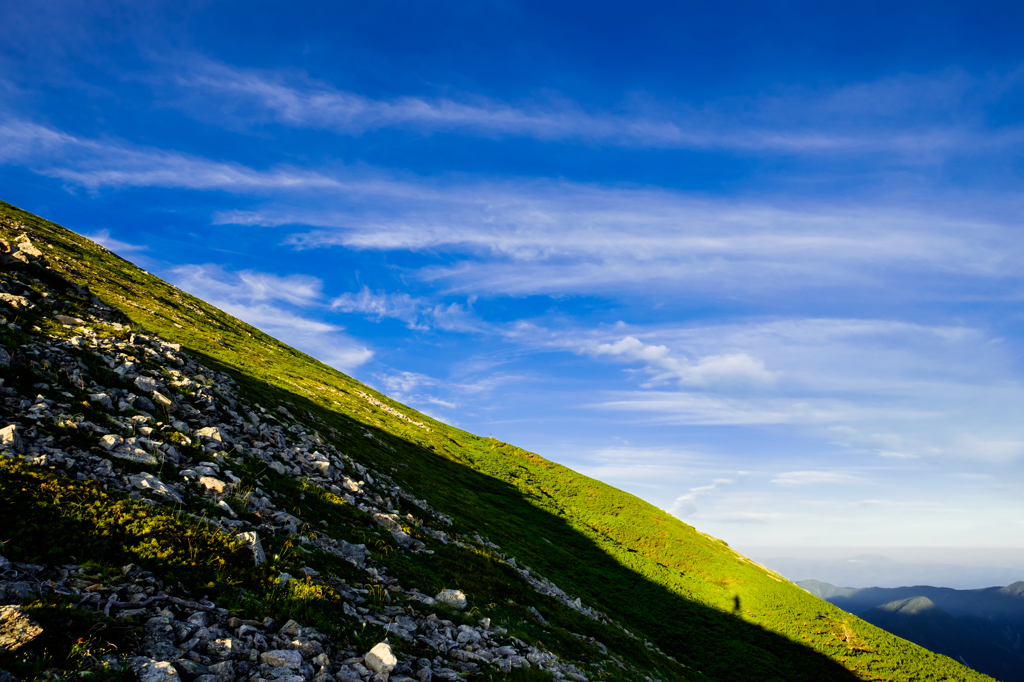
x: 757, y: 263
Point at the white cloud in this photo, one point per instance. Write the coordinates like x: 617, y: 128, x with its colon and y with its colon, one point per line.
x: 400, y: 306
x: 711, y: 370
x: 400, y: 383
x: 252, y: 296
x: 417, y: 312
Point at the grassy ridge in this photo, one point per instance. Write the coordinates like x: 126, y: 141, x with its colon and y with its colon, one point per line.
x: 686, y: 592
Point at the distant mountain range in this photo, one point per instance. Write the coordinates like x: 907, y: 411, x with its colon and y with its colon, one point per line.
x: 875, y: 569
x: 982, y: 628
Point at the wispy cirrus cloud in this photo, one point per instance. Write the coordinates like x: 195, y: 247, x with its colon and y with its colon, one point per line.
x: 417, y: 312
x: 893, y: 116
x: 400, y: 306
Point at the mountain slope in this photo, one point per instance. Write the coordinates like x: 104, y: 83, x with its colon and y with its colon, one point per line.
x: 666, y: 600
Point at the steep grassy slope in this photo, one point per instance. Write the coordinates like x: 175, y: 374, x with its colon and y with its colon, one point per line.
x: 687, y: 593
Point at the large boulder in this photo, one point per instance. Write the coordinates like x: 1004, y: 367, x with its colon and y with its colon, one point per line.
x: 16, y: 630
x: 147, y: 384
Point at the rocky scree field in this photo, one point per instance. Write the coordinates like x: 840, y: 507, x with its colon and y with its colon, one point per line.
x: 184, y: 497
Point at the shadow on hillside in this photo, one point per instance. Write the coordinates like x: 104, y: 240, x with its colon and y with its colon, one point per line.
x: 719, y: 644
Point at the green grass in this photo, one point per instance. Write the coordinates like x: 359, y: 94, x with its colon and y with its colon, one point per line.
x: 660, y: 578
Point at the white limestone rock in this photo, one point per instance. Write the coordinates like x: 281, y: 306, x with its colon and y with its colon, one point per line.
x: 380, y: 659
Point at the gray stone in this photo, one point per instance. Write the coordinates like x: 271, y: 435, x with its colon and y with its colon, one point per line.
x: 291, y: 628
x: 224, y: 671
x: 190, y: 669
x: 16, y: 630
x: 133, y: 454
x: 467, y: 634
x: 453, y: 598
x: 146, y: 481
x: 282, y: 658
x: 144, y: 403
x: 103, y: 399
x: 402, y: 538
x: 147, y: 384
x: 150, y: 670
x: 199, y: 618
x: 5, y: 358
x: 354, y: 552
x: 226, y: 647
x: 16, y: 592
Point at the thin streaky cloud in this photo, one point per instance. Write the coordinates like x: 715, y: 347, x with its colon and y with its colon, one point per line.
x: 830, y: 120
